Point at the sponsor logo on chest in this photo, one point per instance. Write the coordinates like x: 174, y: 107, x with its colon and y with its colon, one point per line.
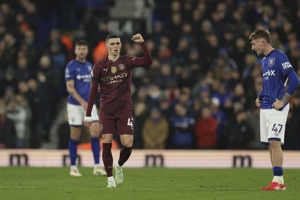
x: 269, y: 73
x: 114, y: 79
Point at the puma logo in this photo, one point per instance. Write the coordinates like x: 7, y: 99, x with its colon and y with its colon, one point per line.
x: 105, y: 69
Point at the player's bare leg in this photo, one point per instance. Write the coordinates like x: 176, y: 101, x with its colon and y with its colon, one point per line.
x: 73, y: 142
x: 95, y: 147
x: 127, y: 141
x: 277, y: 160
x: 271, y: 155
x: 276, y: 157
x: 282, y: 185
x: 108, y: 159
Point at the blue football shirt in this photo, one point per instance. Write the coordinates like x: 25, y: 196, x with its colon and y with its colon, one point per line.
x: 81, y: 74
x: 275, y: 69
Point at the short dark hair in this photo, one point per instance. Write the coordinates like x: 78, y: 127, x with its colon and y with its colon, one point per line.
x: 81, y: 43
x: 261, y: 33
x: 112, y: 35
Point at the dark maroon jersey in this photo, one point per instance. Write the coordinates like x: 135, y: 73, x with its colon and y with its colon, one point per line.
x: 115, y: 78
x: 115, y: 82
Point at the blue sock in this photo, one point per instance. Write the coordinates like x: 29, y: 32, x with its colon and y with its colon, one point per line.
x: 95, y: 149
x: 277, y: 171
x: 73, y: 150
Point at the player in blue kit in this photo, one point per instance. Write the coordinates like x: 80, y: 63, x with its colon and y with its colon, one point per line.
x: 273, y: 101
x: 78, y: 81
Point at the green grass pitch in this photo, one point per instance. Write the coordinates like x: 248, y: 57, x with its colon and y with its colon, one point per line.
x: 22, y: 183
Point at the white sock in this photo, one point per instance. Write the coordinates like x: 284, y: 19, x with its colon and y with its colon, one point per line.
x: 73, y: 167
x: 276, y: 179
x: 97, y: 165
x: 281, y: 181
x: 111, y: 178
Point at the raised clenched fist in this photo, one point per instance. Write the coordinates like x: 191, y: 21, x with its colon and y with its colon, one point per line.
x: 138, y: 38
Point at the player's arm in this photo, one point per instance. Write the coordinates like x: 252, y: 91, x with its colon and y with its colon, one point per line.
x: 72, y: 91
x: 287, y: 69
x: 293, y: 84
x: 147, y: 59
x: 92, y: 96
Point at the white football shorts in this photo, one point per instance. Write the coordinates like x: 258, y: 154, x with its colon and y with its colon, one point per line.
x: 272, y: 124
x: 76, y: 114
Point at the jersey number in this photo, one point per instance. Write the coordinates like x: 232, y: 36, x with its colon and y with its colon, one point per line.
x: 277, y: 128
x: 130, y: 122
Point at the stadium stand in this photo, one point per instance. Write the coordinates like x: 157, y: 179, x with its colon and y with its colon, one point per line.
x: 203, y: 66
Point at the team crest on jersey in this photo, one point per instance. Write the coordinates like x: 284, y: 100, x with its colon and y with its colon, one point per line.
x: 271, y: 61
x: 121, y: 67
x: 113, y: 69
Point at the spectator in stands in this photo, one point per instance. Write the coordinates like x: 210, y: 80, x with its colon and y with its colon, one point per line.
x: 22, y: 72
x: 34, y: 101
x: 7, y: 130
x: 55, y: 38
x: 182, y: 128
x: 155, y: 130
x: 165, y: 76
x: 31, y: 29
x: 222, y: 122
x: 206, y: 130
x: 47, y: 84
x: 8, y: 81
x: 222, y: 94
x: 241, y: 134
x: 18, y: 115
x: 186, y: 78
x: 140, y: 114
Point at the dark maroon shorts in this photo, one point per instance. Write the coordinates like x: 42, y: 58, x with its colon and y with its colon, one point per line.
x: 119, y: 124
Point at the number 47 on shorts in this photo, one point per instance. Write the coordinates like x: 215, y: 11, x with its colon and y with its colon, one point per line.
x: 130, y: 122
x: 277, y: 128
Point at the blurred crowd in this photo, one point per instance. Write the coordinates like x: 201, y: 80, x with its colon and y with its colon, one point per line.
x: 199, y: 92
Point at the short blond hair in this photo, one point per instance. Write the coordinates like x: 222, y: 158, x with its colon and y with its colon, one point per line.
x: 261, y: 33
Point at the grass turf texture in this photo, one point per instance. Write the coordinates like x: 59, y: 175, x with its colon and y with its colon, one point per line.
x: 22, y: 183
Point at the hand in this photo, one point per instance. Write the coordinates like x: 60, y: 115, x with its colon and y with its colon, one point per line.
x: 277, y: 105
x: 138, y: 38
x: 88, y: 121
x: 257, y: 102
x: 84, y: 105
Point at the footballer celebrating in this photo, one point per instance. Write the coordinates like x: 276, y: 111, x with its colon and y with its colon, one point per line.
x: 114, y: 74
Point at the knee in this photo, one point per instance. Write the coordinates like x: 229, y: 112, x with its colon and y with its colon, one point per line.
x: 275, y: 144
x: 94, y: 130
x: 127, y: 143
x: 75, y: 135
x: 107, y: 138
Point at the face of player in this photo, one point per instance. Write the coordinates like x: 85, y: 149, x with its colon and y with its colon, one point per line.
x: 258, y: 46
x: 81, y: 52
x: 113, y: 46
